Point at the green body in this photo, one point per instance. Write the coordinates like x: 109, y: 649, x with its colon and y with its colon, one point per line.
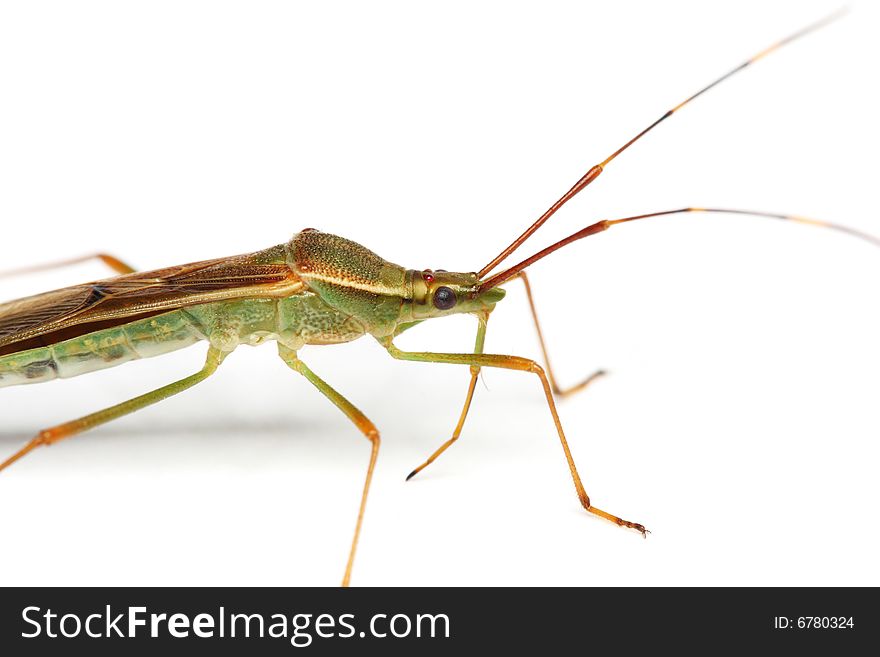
x: 348, y: 292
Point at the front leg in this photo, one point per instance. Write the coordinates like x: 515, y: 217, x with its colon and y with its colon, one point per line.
x: 522, y: 365
x: 557, y: 389
x: 475, y: 373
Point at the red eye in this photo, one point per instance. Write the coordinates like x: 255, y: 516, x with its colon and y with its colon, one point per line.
x: 428, y: 277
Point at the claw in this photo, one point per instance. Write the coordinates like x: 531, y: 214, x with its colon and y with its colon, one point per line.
x: 620, y: 522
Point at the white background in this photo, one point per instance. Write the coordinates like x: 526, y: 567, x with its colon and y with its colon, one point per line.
x: 739, y: 422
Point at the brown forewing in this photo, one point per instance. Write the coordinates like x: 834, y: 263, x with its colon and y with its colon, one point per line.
x: 115, y: 301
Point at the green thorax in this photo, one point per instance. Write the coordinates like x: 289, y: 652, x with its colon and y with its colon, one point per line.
x: 380, y: 294
x: 350, y: 278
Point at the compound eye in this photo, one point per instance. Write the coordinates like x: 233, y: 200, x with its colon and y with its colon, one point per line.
x: 444, y: 298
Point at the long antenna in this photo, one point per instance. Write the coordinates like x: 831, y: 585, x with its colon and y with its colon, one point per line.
x: 597, y: 169
x: 601, y: 226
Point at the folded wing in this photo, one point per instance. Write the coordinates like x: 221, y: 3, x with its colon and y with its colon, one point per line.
x: 72, y: 311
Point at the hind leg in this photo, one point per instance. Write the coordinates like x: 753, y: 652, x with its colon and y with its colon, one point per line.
x: 68, y: 429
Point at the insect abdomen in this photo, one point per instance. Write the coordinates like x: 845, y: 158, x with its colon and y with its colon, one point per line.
x: 144, y: 338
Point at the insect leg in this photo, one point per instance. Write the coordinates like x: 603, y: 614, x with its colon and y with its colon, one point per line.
x: 523, y: 365
x: 113, y: 262
x: 561, y: 392
x: 74, y: 427
x: 475, y: 372
x: 360, y: 420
